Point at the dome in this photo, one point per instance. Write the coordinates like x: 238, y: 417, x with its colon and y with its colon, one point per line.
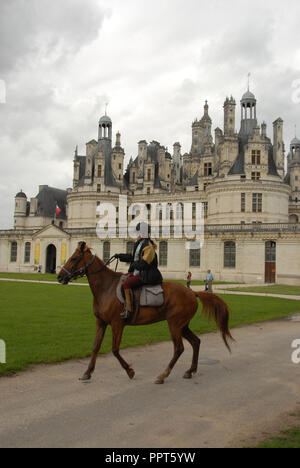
x: 248, y: 96
x: 295, y: 142
x: 21, y: 195
x: 105, y: 120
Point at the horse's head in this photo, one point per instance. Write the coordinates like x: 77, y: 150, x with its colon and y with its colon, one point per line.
x: 77, y: 265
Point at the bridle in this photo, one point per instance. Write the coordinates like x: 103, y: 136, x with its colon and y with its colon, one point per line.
x: 81, y: 272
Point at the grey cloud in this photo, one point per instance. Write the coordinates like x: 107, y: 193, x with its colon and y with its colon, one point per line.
x: 27, y: 26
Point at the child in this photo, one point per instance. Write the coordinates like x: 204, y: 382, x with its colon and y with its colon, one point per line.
x: 189, y: 279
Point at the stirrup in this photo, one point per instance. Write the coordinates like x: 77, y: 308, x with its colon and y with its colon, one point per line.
x: 125, y: 313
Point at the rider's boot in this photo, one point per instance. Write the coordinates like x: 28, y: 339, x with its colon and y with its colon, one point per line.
x: 128, y: 304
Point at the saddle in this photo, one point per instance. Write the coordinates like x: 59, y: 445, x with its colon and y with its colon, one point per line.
x: 146, y: 296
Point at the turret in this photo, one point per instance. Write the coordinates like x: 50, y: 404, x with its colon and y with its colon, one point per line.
x: 278, y: 146
x: 20, y: 209
x: 229, y: 116
x: 248, y: 114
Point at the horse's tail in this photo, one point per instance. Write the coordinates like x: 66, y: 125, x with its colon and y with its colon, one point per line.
x: 214, y: 306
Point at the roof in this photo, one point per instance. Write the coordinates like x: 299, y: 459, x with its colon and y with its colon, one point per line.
x: 239, y: 164
x: 295, y: 141
x: 248, y: 96
x: 21, y: 195
x: 105, y: 119
x: 194, y: 180
x: 48, y: 198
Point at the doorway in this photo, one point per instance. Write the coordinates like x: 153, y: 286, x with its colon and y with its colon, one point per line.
x: 270, y: 262
x: 51, y: 259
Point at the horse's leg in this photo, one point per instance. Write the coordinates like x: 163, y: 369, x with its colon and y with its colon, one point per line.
x: 176, y: 334
x: 117, y: 332
x: 195, y: 343
x: 100, y: 331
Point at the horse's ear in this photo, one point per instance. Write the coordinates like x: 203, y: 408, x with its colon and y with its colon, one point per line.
x: 82, y: 245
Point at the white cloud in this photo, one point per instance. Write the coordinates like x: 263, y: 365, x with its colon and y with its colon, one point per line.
x: 154, y: 62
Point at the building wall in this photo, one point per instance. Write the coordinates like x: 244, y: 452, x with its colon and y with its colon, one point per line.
x: 249, y: 267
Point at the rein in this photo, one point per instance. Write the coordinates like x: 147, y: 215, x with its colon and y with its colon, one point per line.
x: 83, y: 271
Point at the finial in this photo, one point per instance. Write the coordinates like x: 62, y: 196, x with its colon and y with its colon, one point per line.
x: 295, y: 130
x: 106, y: 105
x: 249, y: 74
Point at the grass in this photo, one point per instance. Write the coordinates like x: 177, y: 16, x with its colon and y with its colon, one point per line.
x: 43, y: 323
x: 289, y: 438
x: 274, y: 289
x: 52, y: 278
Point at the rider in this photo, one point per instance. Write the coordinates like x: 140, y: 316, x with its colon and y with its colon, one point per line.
x: 143, y: 265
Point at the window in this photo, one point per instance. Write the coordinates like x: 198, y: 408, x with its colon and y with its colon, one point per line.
x: 98, y: 188
x: 207, y: 169
x: 256, y: 159
x: 255, y: 175
x: 179, y: 211
x: 13, y: 252
x: 99, y: 171
x: 27, y: 252
x: 296, y: 177
x: 243, y: 202
x: 106, y: 251
x: 194, y: 257
x: 270, y: 251
x: 149, y: 175
x: 120, y: 166
x: 205, y: 186
x: 257, y: 202
x: 229, y: 255
x: 148, y: 191
x: 133, y: 177
x: 163, y: 253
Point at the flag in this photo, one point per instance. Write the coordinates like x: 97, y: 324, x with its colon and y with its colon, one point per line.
x: 57, y: 210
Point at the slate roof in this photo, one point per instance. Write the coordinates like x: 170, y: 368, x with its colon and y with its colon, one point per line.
x: 48, y: 198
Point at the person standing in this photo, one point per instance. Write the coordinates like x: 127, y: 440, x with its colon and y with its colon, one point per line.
x: 208, y: 281
x: 189, y: 280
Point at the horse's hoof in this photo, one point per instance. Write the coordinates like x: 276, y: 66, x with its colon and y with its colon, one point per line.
x: 188, y: 375
x: 131, y: 373
x: 159, y: 381
x: 85, y: 378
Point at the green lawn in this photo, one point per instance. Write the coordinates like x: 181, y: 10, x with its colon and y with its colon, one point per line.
x: 274, y: 289
x: 49, y: 277
x: 286, y: 439
x: 48, y: 323
x: 35, y: 277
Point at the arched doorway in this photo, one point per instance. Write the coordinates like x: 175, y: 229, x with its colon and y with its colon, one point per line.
x: 51, y: 259
x: 270, y: 262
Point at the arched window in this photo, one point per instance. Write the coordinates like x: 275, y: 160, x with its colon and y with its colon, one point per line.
x: 13, y: 252
x: 229, y: 254
x: 163, y: 253
x: 27, y: 252
x: 179, y: 211
x: 106, y: 251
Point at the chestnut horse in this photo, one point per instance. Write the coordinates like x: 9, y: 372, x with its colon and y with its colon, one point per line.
x: 179, y: 307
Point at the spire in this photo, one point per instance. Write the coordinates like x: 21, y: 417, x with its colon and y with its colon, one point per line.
x: 249, y: 74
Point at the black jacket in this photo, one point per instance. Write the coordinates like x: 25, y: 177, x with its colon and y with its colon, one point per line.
x: 147, y: 265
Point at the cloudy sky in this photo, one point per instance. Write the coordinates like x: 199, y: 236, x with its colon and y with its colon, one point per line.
x: 155, y: 62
